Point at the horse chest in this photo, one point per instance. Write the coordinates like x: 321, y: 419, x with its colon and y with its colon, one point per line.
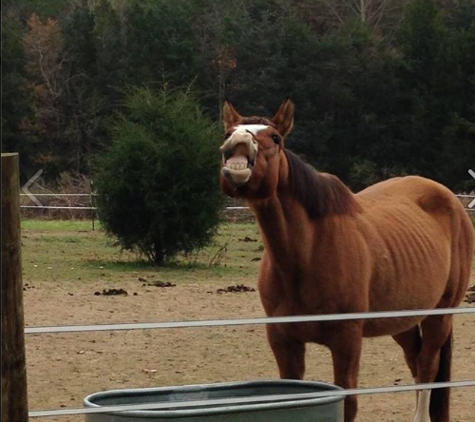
x: 294, y: 295
x: 280, y: 300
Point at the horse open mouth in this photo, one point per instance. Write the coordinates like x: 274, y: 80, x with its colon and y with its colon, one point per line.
x: 237, y: 171
x: 238, y: 163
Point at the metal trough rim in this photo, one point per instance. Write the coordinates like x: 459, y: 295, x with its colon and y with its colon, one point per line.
x: 266, y: 404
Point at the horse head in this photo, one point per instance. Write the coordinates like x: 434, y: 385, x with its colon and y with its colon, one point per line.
x: 253, y: 150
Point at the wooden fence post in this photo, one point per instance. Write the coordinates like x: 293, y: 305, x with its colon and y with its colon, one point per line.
x: 14, y: 384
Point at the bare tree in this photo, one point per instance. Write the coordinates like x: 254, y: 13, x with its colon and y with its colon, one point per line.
x: 380, y: 14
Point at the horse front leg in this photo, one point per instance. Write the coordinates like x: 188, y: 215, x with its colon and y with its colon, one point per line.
x: 345, y: 345
x: 289, y: 353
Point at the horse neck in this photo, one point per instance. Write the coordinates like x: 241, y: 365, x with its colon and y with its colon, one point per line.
x: 283, y: 224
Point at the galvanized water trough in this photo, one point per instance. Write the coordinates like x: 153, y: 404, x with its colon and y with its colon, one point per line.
x: 274, y: 407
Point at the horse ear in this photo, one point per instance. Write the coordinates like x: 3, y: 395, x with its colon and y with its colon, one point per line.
x: 230, y: 116
x: 284, y: 118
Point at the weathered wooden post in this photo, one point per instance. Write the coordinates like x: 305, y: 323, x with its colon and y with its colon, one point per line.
x: 14, y: 385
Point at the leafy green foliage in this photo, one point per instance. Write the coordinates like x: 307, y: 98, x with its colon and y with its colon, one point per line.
x: 382, y: 88
x: 16, y: 106
x: 436, y: 81
x: 157, y: 183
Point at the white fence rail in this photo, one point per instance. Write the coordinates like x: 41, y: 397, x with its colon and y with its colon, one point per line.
x: 247, y: 321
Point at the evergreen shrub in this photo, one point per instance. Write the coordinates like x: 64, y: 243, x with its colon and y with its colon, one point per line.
x: 158, y: 182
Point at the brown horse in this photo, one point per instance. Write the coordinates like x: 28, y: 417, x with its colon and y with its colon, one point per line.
x: 405, y: 243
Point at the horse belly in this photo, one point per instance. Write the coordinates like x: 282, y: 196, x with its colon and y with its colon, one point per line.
x: 414, y: 289
x: 389, y: 326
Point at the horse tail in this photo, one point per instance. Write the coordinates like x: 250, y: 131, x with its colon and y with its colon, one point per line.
x: 440, y: 397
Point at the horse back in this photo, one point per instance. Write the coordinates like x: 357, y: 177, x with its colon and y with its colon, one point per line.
x: 418, y: 194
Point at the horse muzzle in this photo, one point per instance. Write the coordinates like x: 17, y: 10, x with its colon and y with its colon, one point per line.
x: 236, y: 178
x: 239, y: 153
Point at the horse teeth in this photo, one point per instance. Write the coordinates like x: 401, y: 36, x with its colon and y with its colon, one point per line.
x: 237, y: 166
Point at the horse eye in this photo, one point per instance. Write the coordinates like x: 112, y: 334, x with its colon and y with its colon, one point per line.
x: 276, y: 138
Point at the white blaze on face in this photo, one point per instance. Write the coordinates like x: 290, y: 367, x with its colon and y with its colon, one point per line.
x: 254, y: 129
x: 242, y: 133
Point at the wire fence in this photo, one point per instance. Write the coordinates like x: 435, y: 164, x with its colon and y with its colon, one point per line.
x: 235, y: 211
x: 253, y: 399
x: 92, y: 195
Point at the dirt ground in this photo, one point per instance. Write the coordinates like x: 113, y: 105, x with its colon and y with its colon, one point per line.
x: 64, y: 368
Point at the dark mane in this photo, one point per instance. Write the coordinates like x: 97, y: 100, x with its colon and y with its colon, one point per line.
x: 321, y: 194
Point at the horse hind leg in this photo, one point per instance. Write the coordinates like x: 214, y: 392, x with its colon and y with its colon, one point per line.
x: 433, y: 365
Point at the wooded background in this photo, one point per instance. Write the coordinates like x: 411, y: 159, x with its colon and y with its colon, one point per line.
x: 381, y: 87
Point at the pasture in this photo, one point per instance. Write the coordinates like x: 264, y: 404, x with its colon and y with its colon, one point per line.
x: 69, y: 269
